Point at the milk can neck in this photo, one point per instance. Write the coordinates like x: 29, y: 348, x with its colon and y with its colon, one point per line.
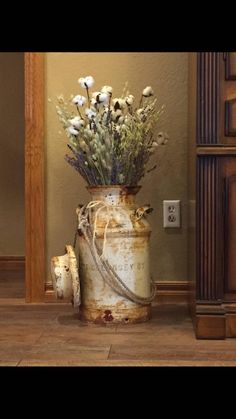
x: 114, y: 195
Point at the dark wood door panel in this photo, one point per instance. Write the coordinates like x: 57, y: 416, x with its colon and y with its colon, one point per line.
x: 230, y: 65
x: 230, y: 118
x: 229, y: 175
x: 228, y: 99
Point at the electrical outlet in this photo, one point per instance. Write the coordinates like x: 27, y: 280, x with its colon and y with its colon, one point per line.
x: 171, y: 214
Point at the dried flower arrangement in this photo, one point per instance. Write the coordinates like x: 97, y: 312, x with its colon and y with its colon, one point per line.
x: 112, y: 140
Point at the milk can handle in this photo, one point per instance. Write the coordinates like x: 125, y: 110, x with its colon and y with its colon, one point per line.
x: 140, y: 212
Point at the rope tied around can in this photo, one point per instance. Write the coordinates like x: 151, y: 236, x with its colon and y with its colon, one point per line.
x: 107, y: 272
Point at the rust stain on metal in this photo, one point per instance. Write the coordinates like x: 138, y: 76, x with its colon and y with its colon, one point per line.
x: 115, y: 315
x: 108, y: 316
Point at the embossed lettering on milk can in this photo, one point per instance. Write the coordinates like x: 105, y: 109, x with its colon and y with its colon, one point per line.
x: 114, y: 237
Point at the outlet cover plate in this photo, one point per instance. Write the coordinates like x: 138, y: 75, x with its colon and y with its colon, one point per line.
x: 171, y: 214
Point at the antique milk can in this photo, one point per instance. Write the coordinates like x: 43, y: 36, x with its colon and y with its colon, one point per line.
x: 113, y: 236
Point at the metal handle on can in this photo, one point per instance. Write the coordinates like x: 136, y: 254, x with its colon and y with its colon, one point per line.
x: 141, y: 212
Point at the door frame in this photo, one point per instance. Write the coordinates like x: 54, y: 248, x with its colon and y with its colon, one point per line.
x: 34, y: 178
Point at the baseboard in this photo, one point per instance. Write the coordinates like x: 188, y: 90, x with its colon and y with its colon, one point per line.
x: 50, y: 296
x: 12, y: 263
x: 167, y: 292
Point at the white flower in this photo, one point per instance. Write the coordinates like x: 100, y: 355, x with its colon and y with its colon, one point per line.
x: 129, y: 100
x: 147, y: 92
x: 90, y: 113
x: 95, y: 94
x: 106, y: 89
x: 79, y: 100
x: 118, y: 103
x: 86, y: 82
x: 72, y: 130
x: 77, y: 122
x: 101, y: 98
x: 116, y: 114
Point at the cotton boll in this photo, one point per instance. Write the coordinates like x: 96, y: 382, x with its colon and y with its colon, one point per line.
x: 89, y: 80
x: 103, y: 98
x: 90, y: 113
x: 106, y: 89
x: 86, y: 82
x: 95, y: 95
x: 79, y: 100
x: 148, y: 91
x: 118, y: 103
x: 116, y: 114
x: 77, y: 122
x: 73, y: 131
x: 129, y: 100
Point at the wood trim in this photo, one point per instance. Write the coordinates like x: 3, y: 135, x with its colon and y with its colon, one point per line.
x: 34, y: 177
x: 229, y: 130
x: 49, y: 296
x: 12, y: 263
x: 228, y: 182
x: 216, y: 151
x: 209, y: 232
x: 228, y: 74
x: 208, y: 97
x: 166, y: 292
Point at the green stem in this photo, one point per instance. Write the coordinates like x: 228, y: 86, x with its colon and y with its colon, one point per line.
x: 79, y: 111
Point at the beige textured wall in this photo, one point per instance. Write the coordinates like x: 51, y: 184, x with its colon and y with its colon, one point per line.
x: 11, y: 154
x: 167, y: 73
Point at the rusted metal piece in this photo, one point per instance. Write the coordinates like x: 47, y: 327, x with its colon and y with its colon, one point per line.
x: 126, y: 232
x: 65, y: 276
x: 115, y: 315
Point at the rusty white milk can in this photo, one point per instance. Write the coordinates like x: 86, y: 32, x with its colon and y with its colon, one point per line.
x: 114, y: 270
